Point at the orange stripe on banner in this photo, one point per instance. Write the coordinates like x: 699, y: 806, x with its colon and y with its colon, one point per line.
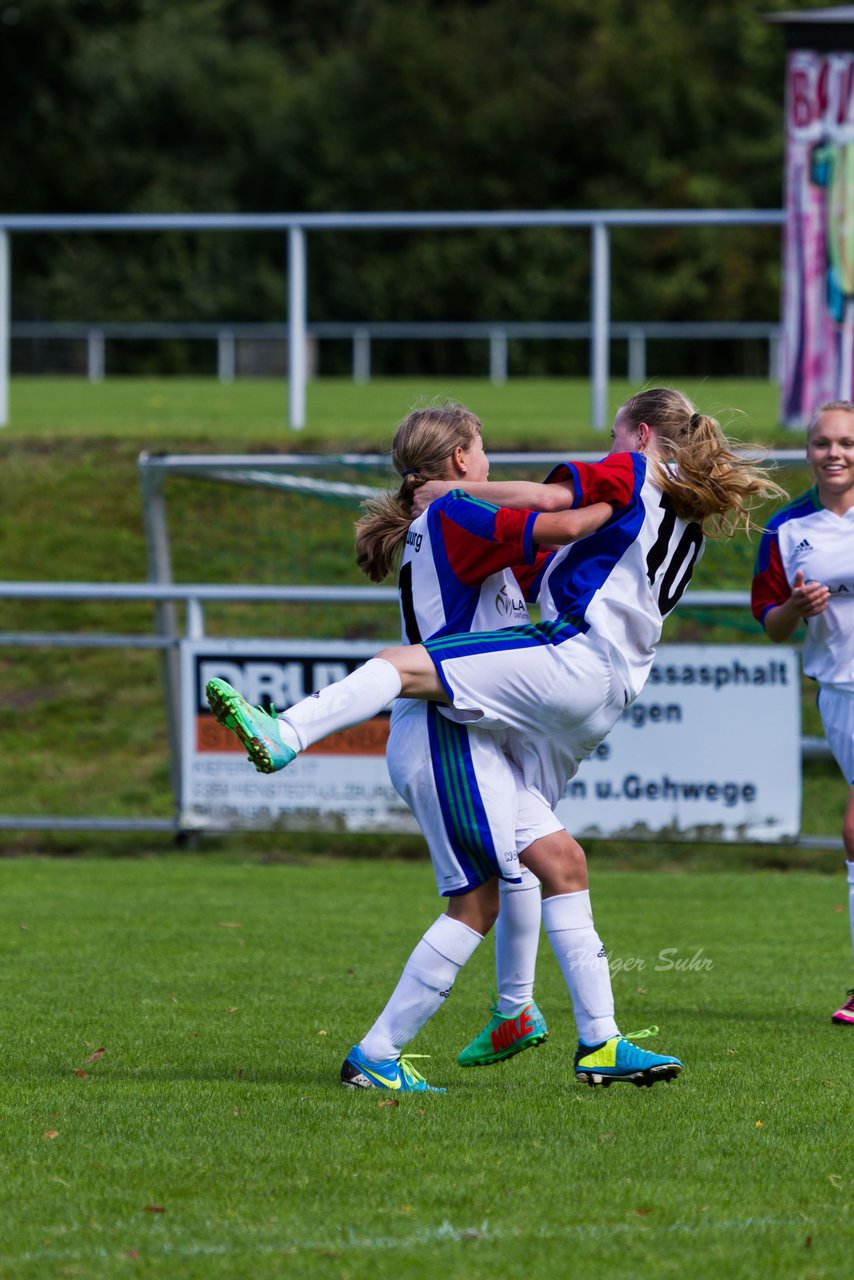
x: 369, y: 739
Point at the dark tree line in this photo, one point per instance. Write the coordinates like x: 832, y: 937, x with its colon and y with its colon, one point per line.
x: 317, y: 105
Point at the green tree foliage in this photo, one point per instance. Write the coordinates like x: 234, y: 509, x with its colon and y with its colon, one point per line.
x: 317, y: 105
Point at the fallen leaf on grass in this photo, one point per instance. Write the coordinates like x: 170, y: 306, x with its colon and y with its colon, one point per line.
x: 97, y: 1055
x: 133, y: 1254
x: 644, y: 1210
x: 80, y: 1072
x: 835, y: 1179
x: 808, y: 1242
x: 323, y: 1033
x: 759, y: 1124
x: 155, y: 1208
x: 51, y: 1133
x: 389, y: 1102
x: 235, y: 1009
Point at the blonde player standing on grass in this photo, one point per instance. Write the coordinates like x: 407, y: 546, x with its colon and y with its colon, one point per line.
x: 559, y: 685
x: 805, y: 572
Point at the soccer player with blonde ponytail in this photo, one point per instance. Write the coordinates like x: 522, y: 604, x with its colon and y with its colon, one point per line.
x: 555, y: 688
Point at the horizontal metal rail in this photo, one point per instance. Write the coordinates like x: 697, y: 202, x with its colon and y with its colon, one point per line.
x: 192, y: 595
x: 82, y: 222
x: 296, y: 227
x: 362, y: 334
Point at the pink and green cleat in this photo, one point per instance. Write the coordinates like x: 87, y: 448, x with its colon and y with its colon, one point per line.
x: 619, y: 1059
x: 255, y: 727
x: 504, y: 1036
x: 844, y: 1017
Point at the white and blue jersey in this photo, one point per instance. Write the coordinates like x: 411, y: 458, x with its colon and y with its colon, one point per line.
x: 805, y: 536
x: 457, y: 569
x: 618, y: 583
x: 457, y: 574
x: 560, y: 684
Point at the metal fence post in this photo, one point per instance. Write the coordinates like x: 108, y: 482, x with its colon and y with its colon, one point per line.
x: 296, y: 327
x: 226, y: 356
x: 599, y: 321
x: 497, y: 356
x: 5, y: 344
x: 773, y: 357
x: 95, y: 355
x: 637, y: 356
x: 166, y: 621
x: 361, y: 355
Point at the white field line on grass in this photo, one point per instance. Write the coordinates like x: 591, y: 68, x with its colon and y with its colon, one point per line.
x: 445, y: 1233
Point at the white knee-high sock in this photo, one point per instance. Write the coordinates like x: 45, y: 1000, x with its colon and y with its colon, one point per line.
x: 568, y: 921
x: 517, y: 937
x: 849, y: 866
x: 362, y: 694
x: 425, y: 983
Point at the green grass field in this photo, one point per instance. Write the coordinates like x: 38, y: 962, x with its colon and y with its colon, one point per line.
x: 71, y: 510
x: 209, y: 1136
x: 522, y: 413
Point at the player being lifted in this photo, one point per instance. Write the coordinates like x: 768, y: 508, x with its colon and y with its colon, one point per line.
x: 476, y: 814
x: 558, y: 686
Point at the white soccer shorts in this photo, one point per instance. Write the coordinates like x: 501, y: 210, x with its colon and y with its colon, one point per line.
x: 559, y: 700
x: 837, y: 715
x: 467, y: 797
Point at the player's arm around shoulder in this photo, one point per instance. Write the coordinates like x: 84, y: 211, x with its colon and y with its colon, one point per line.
x: 559, y: 528
x: 516, y: 495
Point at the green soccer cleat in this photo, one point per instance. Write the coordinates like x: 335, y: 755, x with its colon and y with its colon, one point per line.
x: 619, y: 1059
x: 503, y: 1036
x: 398, y: 1074
x: 255, y: 727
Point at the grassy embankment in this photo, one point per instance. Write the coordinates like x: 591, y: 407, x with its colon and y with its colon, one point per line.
x: 81, y: 731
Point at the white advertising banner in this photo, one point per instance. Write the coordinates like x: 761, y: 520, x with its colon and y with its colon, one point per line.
x: 710, y: 750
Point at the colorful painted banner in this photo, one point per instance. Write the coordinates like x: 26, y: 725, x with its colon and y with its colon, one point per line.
x: 818, y: 278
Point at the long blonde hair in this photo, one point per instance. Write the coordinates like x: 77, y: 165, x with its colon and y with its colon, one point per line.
x: 422, y: 445
x: 699, y: 469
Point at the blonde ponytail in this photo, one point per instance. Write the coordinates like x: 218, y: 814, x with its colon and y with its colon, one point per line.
x: 699, y: 469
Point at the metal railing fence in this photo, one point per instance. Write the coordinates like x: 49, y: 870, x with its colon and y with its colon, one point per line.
x: 166, y: 636
x: 496, y: 335
x: 599, y: 223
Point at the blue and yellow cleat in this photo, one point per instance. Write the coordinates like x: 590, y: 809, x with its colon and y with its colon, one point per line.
x: 396, y: 1073
x: 504, y: 1036
x: 619, y: 1059
x: 255, y: 727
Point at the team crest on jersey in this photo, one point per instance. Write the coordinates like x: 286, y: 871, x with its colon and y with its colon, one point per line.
x: 508, y: 606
